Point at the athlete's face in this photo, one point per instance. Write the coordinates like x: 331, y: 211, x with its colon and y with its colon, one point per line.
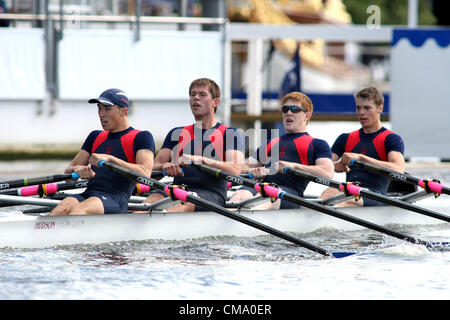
x: 295, y: 121
x: 110, y: 117
x: 201, y: 101
x: 368, y: 112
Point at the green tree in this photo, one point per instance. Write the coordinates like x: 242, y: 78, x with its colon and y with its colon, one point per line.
x: 393, y: 12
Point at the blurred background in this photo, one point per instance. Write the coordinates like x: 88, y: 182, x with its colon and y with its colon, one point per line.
x: 55, y: 55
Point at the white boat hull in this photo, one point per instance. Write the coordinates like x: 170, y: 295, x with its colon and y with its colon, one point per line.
x: 26, y: 231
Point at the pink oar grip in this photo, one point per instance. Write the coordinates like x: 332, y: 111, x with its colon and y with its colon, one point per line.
x: 51, y: 187
x: 179, y: 193
x: 229, y: 184
x: 143, y: 188
x: 433, y: 186
x: 351, y: 189
x: 28, y: 191
x: 34, y: 190
x: 268, y: 190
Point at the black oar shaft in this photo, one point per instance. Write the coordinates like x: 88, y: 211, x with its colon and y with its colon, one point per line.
x: 314, y: 206
x: 33, y: 181
x: 403, y: 177
x: 369, y: 194
x: 44, y: 189
x: 218, y: 209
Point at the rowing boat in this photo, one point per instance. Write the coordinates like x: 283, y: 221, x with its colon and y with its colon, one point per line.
x: 31, y: 231
x: 40, y: 231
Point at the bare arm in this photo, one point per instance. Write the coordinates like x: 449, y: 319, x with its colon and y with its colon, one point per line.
x: 249, y: 164
x: 323, y: 167
x: 143, y: 165
x: 163, y: 161
x: 233, y: 164
x: 80, y: 165
x: 395, y: 162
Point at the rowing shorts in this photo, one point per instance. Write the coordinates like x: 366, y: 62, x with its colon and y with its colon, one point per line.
x: 111, y: 204
x: 368, y: 202
x: 284, y: 204
x: 208, y: 195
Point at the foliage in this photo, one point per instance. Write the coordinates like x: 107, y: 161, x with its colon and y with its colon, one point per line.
x: 393, y: 12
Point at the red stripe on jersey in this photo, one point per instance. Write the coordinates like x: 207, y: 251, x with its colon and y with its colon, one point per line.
x: 302, y: 144
x: 186, y: 136
x: 378, y: 142
x: 271, y: 144
x: 217, y: 140
x: 101, y: 137
x: 127, y: 141
x: 352, y: 140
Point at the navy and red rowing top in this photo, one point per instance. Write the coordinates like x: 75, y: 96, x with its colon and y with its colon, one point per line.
x: 293, y: 147
x: 123, y: 145
x: 376, y: 145
x: 210, y: 143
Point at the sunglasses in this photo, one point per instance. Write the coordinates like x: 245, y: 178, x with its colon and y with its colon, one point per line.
x: 294, y: 109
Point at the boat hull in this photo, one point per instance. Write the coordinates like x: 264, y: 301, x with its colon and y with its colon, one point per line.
x: 26, y: 231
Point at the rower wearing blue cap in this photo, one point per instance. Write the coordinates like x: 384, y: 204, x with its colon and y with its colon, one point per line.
x: 117, y: 143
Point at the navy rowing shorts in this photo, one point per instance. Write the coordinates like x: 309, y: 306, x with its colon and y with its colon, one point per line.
x: 368, y: 202
x: 111, y: 203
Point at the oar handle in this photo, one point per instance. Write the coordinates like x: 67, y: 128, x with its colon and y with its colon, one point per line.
x: 184, y: 196
x: 357, y: 191
x: 165, y: 173
x: 40, y: 180
x: 312, y: 205
x: 429, y: 185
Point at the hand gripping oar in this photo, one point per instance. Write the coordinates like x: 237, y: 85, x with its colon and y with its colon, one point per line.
x: 354, y: 190
x: 433, y: 186
x: 274, y: 192
x: 180, y: 194
x: 40, y: 180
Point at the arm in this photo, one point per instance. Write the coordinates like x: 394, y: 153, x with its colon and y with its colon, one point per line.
x: 233, y: 164
x: 395, y: 162
x: 163, y: 161
x: 143, y: 165
x: 80, y: 165
x: 323, y: 167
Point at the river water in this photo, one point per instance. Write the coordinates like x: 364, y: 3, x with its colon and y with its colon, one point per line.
x: 229, y: 268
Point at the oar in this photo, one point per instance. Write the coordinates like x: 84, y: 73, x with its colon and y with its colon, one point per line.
x: 357, y: 191
x: 18, y: 200
x: 429, y: 185
x: 274, y: 192
x: 45, y: 189
x: 40, y: 180
x: 178, y: 193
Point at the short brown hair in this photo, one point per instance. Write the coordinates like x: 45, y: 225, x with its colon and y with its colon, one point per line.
x: 371, y: 93
x: 303, y: 99
x: 213, y: 87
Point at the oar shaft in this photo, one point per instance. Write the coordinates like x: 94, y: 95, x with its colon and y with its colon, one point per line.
x: 40, y: 180
x: 312, y: 205
x: 433, y: 186
x: 214, y: 207
x: 17, y: 200
x: 358, y: 191
x: 44, y: 189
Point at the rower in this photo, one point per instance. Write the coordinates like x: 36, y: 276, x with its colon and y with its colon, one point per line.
x: 119, y: 143
x: 206, y: 141
x: 295, y: 149
x: 372, y: 143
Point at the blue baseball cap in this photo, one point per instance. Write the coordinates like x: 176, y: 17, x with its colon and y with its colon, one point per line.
x: 112, y: 97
